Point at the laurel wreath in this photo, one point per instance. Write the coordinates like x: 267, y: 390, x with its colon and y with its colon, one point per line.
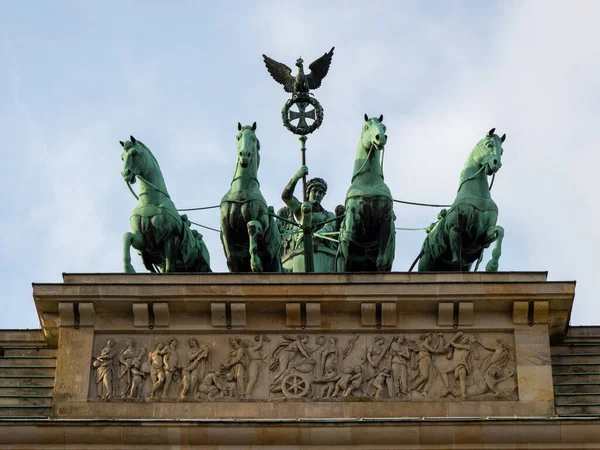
x: 302, y: 130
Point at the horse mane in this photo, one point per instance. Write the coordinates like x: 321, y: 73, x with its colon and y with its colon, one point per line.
x: 146, y: 149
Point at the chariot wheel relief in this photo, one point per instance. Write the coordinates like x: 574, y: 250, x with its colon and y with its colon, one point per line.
x: 306, y: 112
x: 295, y: 386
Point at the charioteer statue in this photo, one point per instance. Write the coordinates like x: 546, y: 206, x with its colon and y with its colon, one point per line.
x: 324, y: 226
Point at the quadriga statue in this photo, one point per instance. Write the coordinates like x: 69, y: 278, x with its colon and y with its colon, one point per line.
x: 367, y: 235
x: 161, y: 236
x: 469, y: 226
x: 250, y: 236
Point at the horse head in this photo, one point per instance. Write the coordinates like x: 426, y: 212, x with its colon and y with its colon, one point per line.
x: 248, y: 146
x: 488, y: 152
x: 373, y: 133
x: 134, y: 158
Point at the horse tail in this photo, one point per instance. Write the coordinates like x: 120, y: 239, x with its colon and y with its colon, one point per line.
x: 417, y: 259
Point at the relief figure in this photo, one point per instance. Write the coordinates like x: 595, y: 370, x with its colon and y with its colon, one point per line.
x: 126, y: 359
x: 104, y: 373
x: 195, y: 369
x: 210, y: 386
x: 400, y: 363
x: 157, y: 372
x: 255, y: 360
x: 235, y: 367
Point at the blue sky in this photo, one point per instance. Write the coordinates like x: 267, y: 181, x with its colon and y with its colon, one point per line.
x: 77, y: 77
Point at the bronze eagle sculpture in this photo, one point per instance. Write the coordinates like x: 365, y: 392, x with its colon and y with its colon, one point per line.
x: 301, y: 83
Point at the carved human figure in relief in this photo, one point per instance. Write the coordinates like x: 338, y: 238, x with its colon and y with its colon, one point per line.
x: 137, y: 376
x: 210, y: 386
x: 379, y: 382
x: 343, y: 381
x: 157, y: 371
x: 356, y: 382
x: 461, y: 361
x: 103, y: 364
x: 500, y: 357
x: 331, y: 355
x: 236, y: 366
x: 286, y: 352
x: 255, y: 360
x: 328, y: 381
x: 128, y: 355
x: 378, y: 358
x: 195, y: 369
x: 171, y: 364
x: 422, y: 382
x: 400, y: 364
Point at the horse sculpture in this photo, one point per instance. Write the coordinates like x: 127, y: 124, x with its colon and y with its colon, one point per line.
x: 250, y: 236
x: 469, y: 226
x: 367, y: 236
x: 163, y: 238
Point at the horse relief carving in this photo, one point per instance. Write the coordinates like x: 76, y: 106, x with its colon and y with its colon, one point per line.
x: 315, y: 367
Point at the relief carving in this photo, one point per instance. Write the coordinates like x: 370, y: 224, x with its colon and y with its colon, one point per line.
x: 103, y: 363
x: 322, y: 367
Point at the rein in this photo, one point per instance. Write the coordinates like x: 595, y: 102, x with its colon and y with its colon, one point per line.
x: 364, y: 164
x: 472, y: 177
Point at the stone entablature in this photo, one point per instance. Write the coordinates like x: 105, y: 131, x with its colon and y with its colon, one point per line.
x: 304, y: 345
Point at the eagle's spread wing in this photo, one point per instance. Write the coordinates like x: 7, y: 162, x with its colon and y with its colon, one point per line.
x: 280, y: 73
x: 318, y: 69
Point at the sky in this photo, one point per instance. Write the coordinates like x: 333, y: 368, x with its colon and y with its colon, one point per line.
x: 77, y: 77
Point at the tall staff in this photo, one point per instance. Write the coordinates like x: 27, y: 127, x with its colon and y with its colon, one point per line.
x: 301, y: 108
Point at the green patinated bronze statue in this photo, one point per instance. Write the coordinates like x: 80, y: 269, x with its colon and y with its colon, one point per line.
x: 469, y: 226
x: 161, y: 236
x: 368, y: 237
x: 250, y: 236
x: 312, y: 217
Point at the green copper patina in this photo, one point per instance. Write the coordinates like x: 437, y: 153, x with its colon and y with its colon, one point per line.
x: 250, y: 236
x: 469, y: 226
x: 317, y: 224
x: 163, y: 238
x: 367, y: 237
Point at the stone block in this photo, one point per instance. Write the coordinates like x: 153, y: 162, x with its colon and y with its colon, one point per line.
x: 368, y: 314
x: 540, y: 312
x: 521, y: 313
x: 238, y: 314
x: 161, y: 314
x: 292, y: 315
x: 535, y: 383
x: 388, y: 314
x: 67, y: 314
x: 86, y: 314
x: 141, y: 318
x: 218, y: 314
x: 465, y: 314
x: 445, y: 314
x: 313, y: 314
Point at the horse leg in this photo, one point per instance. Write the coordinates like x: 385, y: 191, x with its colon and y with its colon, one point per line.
x: 135, y: 240
x: 255, y: 232
x: 387, y: 245
x: 226, y: 240
x: 455, y: 237
x: 346, y: 232
x: 171, y: 253
x: 498, y: 236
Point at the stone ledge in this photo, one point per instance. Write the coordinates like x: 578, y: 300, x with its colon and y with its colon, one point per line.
x: 494, y: 433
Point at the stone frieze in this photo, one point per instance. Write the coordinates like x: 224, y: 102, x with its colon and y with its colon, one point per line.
x: 451, y: 366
